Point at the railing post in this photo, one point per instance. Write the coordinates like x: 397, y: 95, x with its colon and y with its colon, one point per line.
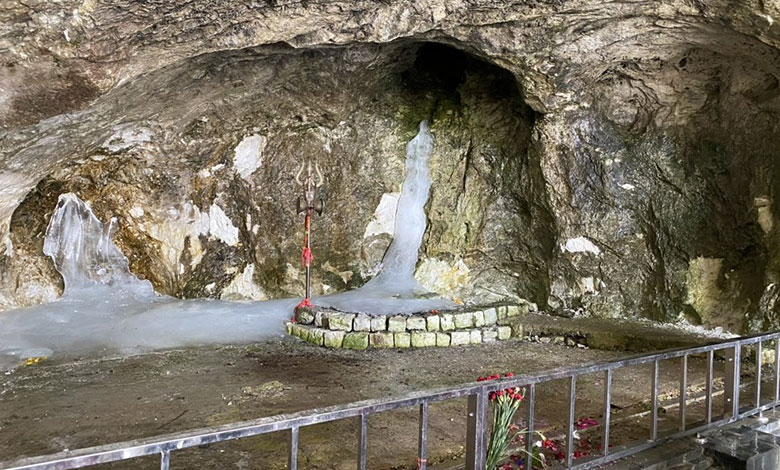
x: 292, y: 461
x: 570, y: 431
x: 422, y: 442
x: 759, y: 352
x: 165, y: 460
x: 654, y: 394
x: 683, y: 390
x: 777, y: 370
x: 529, y: 442
x: 731, y: 392
x: 607, y: 409
x: 363, y: 442
x: 476, y: 432
x: 708, y: 388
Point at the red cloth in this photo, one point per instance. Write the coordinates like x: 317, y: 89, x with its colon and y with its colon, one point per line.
x: 306, y: 257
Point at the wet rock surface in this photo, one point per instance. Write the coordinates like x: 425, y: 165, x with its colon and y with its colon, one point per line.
x: 602, y: 157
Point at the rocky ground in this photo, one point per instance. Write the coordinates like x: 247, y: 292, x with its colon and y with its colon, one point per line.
x: 49, y: 407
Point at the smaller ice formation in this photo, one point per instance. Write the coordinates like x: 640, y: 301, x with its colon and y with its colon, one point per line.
x: 84, y: 253
x: 394, y: 289
x: 107, y: 310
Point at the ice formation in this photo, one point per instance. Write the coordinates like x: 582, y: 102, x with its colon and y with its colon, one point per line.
x: 394, y: 289
x: 107, y: 310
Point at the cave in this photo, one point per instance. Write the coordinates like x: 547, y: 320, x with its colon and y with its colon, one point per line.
x: 603, y: 180
x: 354, y: 131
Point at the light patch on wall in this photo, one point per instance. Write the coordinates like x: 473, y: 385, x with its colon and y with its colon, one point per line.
x: 580, y: 245
x: 221, y: 227
x: 243, y: 287
x: 136, y: 212
x: 764, y: 208
x: 587, y: 285
x: 172, y: 228
x: 249, y: 155
x: 383, y: 220
x: 442, y: 277
x: 701, y: 281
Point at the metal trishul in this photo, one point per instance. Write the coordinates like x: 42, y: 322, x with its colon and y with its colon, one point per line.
x: 311, y: 201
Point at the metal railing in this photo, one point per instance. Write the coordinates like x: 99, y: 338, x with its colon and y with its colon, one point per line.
x: 478, y: 414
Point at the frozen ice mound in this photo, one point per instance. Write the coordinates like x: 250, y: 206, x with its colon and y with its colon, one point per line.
x: 394, y: 289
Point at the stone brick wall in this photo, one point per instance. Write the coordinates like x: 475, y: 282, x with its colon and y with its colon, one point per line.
x: 471, y: 325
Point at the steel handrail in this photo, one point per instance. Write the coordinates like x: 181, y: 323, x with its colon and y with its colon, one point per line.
x: 477, y: 393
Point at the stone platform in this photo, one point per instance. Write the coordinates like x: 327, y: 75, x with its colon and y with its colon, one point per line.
x: 465, y: 325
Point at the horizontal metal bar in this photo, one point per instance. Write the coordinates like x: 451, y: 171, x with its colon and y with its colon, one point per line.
x: 159, y: 444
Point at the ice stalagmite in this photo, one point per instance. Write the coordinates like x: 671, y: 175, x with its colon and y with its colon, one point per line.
x: 397, y: 274
x: 394, y: 289
x: 84, y: 253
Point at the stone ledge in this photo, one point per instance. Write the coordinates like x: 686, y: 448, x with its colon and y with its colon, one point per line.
x: 462, y: 326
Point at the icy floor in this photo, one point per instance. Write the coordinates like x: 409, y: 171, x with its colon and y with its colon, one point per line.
x: 106, y: 310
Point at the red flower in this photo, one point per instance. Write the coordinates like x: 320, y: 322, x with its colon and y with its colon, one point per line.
x: 509, y: 374
x: 585, y: 423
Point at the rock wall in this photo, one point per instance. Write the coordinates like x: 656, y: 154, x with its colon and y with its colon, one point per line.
x: 609, y: 157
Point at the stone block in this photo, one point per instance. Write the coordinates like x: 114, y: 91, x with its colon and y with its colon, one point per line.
x: 379, y: 323
x: 491, y: 318
x: 381, y: 340
x: 447, y: 322
x: 512, y: 310
x: 415, y: 323
x: 304, y: 316
x: 396, y: 324
x: 299, y: 331
x: 517, y: 330
x: 479, y: 319
x: 433, y: 323
x: 288, y: 326
x: 501, y: 312
x: 361, y: 323
x: 318, y: 319
x: 475, y: 337
x: 316, y: 336
x: 340, y: 321
x: 504, y: 332
x: 402, y: 340
x: 464, y: 320
x: 423, y: 339
x: 459, y: 338
x: 355, y: 340
x: 333, y: 339
x: 442, y: 339
x: 488, y: 336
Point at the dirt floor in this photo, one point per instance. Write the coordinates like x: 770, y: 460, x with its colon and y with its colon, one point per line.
x: 49, y: 407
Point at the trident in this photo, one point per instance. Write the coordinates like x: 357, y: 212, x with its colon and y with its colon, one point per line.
x: 311, y: 201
